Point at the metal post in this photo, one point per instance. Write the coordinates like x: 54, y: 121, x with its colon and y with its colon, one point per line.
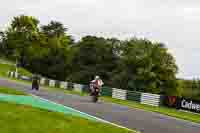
x: 16, y: 70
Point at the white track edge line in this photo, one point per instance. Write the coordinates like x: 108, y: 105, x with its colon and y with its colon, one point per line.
x: 86, y: 114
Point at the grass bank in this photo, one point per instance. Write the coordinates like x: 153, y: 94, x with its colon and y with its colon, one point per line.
x: 6, y: 90
x: 4, y: 68
x: 24, y: 119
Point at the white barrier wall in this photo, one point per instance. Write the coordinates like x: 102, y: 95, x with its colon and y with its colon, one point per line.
x: 42, y: 81
x: 150, y: 99
x: 12, y: 74
x: 16, y: 75
x: 52, y: 83
x: 143, y: 98
x: 78, y: 87
x: 119, y: 94
x: 64, y: 85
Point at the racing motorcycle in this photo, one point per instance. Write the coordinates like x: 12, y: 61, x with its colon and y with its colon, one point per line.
x: 94, y: 92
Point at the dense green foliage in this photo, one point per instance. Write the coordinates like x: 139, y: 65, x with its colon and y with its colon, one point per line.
x: 190, y: 88
x: 39, y: 49
x: 93, y: 56
x: 134, y: 64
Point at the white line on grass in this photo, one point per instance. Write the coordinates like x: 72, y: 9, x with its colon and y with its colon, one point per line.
x: 86, y: 114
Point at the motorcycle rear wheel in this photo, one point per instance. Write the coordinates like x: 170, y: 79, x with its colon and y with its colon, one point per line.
x: 94, y: 99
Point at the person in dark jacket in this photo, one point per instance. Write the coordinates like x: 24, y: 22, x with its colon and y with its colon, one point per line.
x: 35, y: 82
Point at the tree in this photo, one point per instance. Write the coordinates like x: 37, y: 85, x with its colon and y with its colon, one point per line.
x: 135, y: 64
x: 54, y: 29
x: 92, y: 56
x: 20, y: 35
x: 2, y: 43
x: 146, y: 67
x: 53, y: 51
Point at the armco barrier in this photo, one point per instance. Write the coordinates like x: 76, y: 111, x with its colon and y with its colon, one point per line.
x: 77, y: 87
x: 134, y: 96
x: 144, y: 98
x: 25, y: 78
x: 52, y: 83
x: 18, y: 76
x: 85, y: 88
x: 10, y: 74
x: 13, y: 74
x: 63, y: 85
x: 57, y: 84
x: 119, y: 94
x: 70, y: 86
x: 46, y: 82
x: 42, y: 81
x: 106, y: 91
x: 150, y: 99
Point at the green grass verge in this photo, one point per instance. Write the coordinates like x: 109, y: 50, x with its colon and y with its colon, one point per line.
x: 6, y: 90
x: 25, y: 119
x: 4, y: 68
x: 162, y: 110
x: 6, y: 61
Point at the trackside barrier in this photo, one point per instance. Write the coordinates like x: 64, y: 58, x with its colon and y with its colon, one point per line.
x: 63, y: 85
x: 18, y: 76
x: 143, y: 98
x: 85, y: 88
x: 77, y: 87
x: 42, y: 81
x: 119, y: 94
x: 70, y: 86
x: 52, y: 83
x: 134, y: 96
x: 106, y: 91
x: 150, y: 99
x: 57, y: 84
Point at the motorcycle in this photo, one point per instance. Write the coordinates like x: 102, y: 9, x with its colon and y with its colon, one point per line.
x: 95, y: 92
x: 95, y: 95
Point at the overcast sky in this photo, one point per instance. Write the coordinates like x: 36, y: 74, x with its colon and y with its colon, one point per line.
x: 173, y: 22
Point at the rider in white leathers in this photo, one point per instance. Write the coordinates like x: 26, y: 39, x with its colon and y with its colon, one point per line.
x: 96, y: 84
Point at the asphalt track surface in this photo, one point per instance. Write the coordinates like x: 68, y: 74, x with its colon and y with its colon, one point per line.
x: 143, y: 121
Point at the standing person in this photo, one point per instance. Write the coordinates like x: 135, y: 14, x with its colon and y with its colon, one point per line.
x: 35, y: 82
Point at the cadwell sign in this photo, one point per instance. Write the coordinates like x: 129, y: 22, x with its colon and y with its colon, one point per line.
x: 190, y: 105
x: 182, y: 103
